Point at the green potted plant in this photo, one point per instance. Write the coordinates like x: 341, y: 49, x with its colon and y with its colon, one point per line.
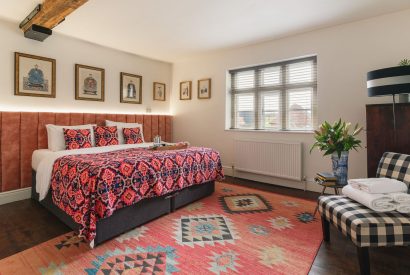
x: 337, y: 140
x: 404, y: 62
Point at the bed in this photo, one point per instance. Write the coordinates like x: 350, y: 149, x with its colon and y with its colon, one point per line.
x: 174, y: 178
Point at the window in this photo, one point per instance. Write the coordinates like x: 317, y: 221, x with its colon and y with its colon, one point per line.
x: 276, y: 97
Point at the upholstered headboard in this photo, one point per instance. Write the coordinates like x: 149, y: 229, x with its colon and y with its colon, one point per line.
x: 21, y: 133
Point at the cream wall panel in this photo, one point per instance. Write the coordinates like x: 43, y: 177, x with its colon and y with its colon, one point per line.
x: 69, y: 51
x: 345, y: 54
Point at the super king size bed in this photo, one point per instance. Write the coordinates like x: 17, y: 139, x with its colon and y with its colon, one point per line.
x: 101, y: 192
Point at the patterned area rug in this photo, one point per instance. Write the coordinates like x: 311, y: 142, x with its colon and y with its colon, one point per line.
x: 237, y: 230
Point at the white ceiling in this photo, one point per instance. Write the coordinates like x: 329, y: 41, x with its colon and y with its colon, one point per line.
x: 172, y: 29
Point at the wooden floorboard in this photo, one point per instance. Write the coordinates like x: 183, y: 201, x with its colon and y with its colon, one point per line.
x: 26, y: 223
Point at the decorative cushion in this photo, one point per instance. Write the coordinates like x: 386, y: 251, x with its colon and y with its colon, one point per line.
x: 121, y: 125
x: 77, y: 138
x: 105, y: 136
x: 55, y: 135
x: 132, y: 135
x: 364, y: 226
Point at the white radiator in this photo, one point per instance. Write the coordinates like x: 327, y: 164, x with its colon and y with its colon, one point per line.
x: 273, y: 158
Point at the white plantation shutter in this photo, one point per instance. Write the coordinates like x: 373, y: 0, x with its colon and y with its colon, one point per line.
x: 245, y: 106
x: 277, y: 97
x: 270, y: 115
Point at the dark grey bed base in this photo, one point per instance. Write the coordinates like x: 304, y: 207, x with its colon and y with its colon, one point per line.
x: 135, y: 215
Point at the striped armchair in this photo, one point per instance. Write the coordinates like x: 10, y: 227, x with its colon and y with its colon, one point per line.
x: 365, y: 227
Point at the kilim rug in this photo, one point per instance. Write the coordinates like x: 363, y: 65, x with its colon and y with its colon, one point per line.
x: 237, y: 230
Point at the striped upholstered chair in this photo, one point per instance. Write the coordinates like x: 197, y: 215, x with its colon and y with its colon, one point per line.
x: 365, y: 227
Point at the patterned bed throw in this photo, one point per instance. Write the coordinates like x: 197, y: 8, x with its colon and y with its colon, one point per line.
x: 92, y: 186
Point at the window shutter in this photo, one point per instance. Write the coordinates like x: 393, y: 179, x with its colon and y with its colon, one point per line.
x: 278, y: 96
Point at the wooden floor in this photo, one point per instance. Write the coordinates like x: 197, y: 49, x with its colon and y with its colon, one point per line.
x: 24, y: 224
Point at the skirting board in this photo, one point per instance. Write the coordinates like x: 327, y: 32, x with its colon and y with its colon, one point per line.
x: 15, y: 195
x: 310, y: 185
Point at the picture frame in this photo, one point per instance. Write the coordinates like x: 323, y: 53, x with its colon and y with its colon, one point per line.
x: 159, y: 91
x: 185, y: 90
x: 204, y: 88
x: 130, y: 88
x: 89, y: 83
x: 34, y: 75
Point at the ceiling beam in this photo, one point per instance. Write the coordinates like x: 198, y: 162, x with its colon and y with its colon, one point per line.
x: 52, y: 12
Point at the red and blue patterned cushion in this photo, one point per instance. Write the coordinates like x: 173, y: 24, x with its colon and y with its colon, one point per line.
x: 105, y: 135
x: 132, y: 135
x: 77, y: 138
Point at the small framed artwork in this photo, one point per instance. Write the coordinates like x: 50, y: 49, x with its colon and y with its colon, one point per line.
x: 185, y: 90
x: 204, y: 88
x: 89, y: 83
x: 159, y: 91
x: 130, y: 88
x: 34, y: 75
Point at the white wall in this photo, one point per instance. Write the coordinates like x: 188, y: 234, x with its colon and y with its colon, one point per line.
x: 69, y: 51
x: 345, y: 54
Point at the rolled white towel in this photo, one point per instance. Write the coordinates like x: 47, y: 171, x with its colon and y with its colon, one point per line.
x: 376, y: 202
x: 379, y: 185
x: 403, y: 208
x: 401, y: 197
x: 354, y: 184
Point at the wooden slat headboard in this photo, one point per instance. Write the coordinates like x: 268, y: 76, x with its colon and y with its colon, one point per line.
x: 22, y: 132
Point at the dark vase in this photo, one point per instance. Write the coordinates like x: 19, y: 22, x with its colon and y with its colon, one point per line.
x: 340, y: 166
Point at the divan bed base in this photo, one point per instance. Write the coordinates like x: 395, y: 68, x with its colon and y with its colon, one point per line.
x: 123, y: 220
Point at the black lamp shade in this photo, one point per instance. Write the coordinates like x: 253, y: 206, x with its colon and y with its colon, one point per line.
x: 389, y: 81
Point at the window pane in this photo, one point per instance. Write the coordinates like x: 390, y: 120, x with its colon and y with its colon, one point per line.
x: 300, y: 72
x: 300, y: 109
x: 270, y: 76
x: 270, y: 114
x: 278, y: 96
x: 245, y: 80
x: 245, y: 114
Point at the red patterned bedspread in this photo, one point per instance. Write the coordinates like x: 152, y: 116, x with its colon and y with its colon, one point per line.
x: 92, y: 186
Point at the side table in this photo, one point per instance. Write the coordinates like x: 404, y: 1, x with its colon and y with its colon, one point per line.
x: 326, y: 184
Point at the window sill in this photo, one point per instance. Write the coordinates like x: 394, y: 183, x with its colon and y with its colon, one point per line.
x: 272, y: 131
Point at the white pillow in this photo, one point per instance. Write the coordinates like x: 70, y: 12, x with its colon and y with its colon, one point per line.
x: 55, y: 135
x: 121, y: 125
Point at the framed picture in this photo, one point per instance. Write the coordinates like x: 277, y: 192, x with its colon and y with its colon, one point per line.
x: 204, y: 88
x: 130, y: 88
x: 89, y: 83
x: 185, y: 90
x: 159, y: 91
x: 34, y: 75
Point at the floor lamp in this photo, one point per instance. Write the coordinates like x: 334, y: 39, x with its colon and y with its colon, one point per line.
x: 389, y: 81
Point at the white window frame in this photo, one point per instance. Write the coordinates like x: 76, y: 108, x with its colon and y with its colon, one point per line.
x: 282, y: 88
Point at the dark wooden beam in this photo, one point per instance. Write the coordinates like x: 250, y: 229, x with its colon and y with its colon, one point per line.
x: 53, y: 12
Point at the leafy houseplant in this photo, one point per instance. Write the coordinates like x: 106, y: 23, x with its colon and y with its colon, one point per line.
x: 336, y: 140
x: 404, y: 62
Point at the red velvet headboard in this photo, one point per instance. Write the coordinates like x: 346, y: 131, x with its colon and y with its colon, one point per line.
x: 22, y: 133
